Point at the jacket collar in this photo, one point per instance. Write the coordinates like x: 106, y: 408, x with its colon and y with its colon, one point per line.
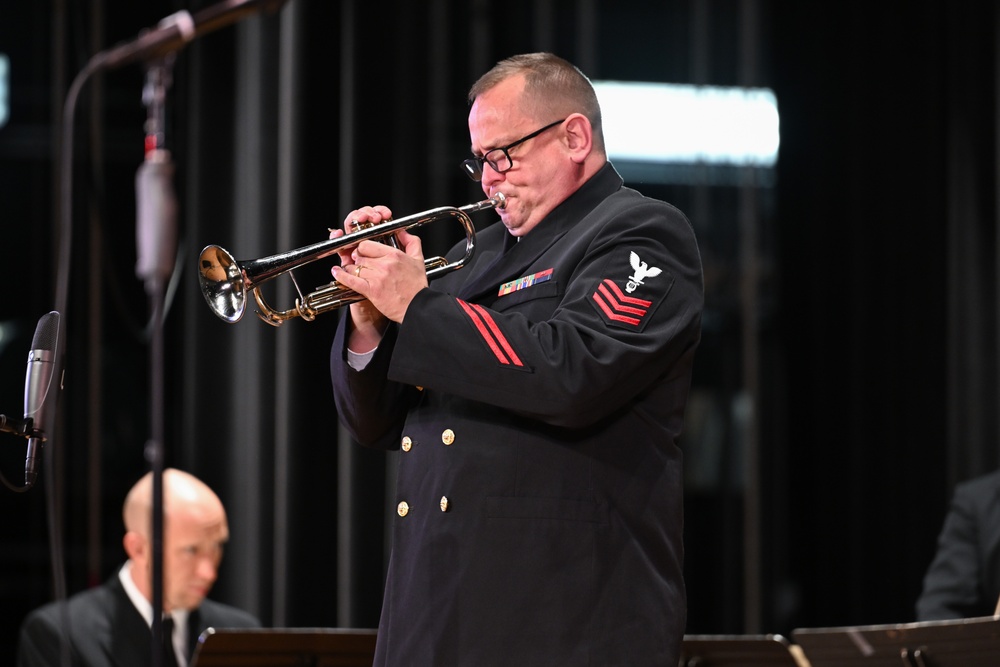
x: 518, y: 255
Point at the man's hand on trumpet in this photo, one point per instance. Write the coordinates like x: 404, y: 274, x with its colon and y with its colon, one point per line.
x: 387, y: 277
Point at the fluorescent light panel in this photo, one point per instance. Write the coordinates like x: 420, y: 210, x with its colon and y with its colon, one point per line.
x: 4, y: 89
x: 686, y: 124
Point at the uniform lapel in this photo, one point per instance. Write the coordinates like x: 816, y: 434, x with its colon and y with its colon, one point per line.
x: 129, y: 636
x: 485, y: 280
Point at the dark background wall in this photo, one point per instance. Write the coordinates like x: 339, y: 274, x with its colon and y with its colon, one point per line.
x: 847, y: 378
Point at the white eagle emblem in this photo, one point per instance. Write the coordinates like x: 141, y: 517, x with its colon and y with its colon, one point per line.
x: 641, y: 272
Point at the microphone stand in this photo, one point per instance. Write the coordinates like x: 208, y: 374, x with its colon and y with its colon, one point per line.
x: 156, y: 246
x: 156, y: 243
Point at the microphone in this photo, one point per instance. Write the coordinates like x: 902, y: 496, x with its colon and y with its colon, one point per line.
x: 176, y: 30
x: 37, y: 381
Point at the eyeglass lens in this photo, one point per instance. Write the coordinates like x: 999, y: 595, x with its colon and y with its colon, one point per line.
x: 498, y: 158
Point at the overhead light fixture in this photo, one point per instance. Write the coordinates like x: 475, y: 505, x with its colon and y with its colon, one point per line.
x: 4, y: 89
x: 681, y: 124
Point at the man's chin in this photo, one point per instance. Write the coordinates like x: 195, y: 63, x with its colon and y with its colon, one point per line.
x: 512, y: 224
x: 192, y: 602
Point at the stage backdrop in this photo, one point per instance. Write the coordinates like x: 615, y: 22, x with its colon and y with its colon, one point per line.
x: 848, y: 372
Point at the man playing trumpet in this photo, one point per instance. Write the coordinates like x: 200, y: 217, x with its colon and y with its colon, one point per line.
x: 536, y: 397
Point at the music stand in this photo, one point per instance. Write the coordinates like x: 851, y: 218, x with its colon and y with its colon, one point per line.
x: 972, y: 642
x: 285, y: 647
x: 736, y: 651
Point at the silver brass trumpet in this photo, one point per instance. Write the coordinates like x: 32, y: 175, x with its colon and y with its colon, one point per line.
x: 225, y: 281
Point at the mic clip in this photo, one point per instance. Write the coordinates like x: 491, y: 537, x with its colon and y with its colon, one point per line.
x: 22, y: 427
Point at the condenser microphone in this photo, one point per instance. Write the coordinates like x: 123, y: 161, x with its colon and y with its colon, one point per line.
x: 175, y: 31
x: 38, y: 400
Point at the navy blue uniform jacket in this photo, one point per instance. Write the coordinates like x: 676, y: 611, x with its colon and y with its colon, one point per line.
x: 537, y: 395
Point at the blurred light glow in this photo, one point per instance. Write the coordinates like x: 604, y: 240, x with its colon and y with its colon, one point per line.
x: 4, y: 89
x: 7, y: 332
x: 686, y: 124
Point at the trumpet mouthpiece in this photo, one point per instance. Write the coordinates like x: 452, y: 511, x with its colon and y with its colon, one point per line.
x: 501, y: 200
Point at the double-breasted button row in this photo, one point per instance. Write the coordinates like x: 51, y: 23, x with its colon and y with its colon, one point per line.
x: 403, y: 508
x: 447, y: 437
x: 406, y: 444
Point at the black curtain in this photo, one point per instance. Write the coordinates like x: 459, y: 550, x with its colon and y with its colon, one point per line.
x: 874, y: 331
x: 887, y: 214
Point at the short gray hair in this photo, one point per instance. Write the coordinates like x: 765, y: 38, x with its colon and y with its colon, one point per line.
x: 553, y: 87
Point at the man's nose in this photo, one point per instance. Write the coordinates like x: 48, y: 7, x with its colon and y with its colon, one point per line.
x: 490, y: 176
x: 208, y: 569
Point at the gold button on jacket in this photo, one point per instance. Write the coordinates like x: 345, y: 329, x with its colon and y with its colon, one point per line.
x: 402, y: 508
x: 448, y: 436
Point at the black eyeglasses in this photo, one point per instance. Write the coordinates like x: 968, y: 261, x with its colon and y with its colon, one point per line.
x: 499, y: 158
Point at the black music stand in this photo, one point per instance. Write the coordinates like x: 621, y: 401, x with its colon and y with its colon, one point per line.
x: 736, y: 651
x: 285, y: 647
x: 971, y: 642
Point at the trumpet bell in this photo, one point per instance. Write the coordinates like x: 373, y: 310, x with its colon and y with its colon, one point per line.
x: 222, y: 283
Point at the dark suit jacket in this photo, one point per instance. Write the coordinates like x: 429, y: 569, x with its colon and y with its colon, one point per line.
x: 537, y: 395
x: 963, y: 580
x: 106, y: 630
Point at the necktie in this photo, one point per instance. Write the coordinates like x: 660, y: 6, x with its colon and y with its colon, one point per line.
x: 170, y: 657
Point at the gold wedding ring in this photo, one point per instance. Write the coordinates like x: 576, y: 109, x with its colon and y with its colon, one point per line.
x: 357, y: 270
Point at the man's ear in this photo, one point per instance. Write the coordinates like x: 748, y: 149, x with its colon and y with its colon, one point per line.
x: 579, y: 136
x: 135, y: 545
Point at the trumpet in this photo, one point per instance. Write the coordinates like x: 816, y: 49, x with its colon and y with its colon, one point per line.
x: 226, y: 281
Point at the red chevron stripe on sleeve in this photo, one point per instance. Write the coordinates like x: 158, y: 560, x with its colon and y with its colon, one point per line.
x: 612, y: 301
x: 491, y: 333
x: 620, y: 296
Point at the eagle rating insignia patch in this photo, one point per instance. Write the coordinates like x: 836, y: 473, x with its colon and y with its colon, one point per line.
x: 615, y: 297
x: 641, y: 272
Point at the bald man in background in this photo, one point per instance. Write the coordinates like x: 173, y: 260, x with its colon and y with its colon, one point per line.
x: 110, y: 625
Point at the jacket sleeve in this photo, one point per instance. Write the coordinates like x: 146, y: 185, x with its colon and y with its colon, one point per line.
x: 40, y: 642
x: 953, y: 583
x: 592, y: 348
x: 371, y: 408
